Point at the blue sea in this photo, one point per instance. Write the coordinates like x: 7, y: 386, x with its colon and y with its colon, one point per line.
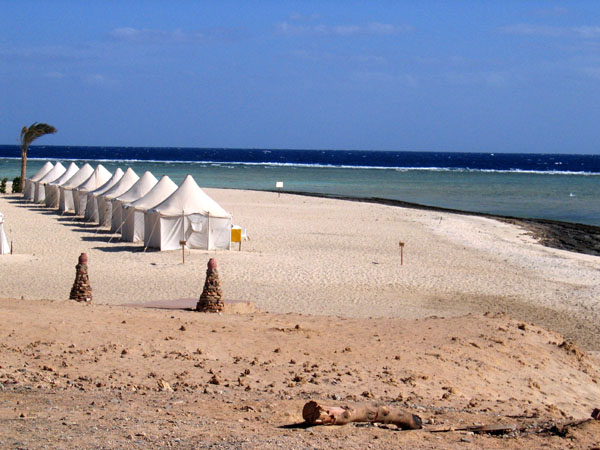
x: 545, y: 186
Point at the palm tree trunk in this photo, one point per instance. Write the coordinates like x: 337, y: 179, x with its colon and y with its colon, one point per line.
x: 23, y: 167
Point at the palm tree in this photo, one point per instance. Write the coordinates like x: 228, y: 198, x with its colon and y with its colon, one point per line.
x: 28, y: 135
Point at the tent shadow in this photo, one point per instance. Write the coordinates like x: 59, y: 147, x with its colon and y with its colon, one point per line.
x: 96, y: 238
x: 19, y: 201
x: 120, y: 248
x: 82, y: 229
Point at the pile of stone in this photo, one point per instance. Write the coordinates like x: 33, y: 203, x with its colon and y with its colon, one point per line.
x: 211, y: 299
x: 81, y: 290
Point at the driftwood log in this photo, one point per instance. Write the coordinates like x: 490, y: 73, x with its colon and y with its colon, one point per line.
x: 317, y: 414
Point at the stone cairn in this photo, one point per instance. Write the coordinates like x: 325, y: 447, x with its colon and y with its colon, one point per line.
x: 81, y: 290
x: 211, y: 299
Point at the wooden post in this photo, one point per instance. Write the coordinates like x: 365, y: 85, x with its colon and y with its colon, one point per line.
x: 11, y: 247
x: 182, y: 250
x: 279, y: 185
x: 401, y: 252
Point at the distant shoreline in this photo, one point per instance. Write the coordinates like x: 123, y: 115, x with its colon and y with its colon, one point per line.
x: 570, y: 236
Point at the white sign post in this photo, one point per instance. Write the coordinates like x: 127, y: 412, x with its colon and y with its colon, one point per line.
x: 279, y: 186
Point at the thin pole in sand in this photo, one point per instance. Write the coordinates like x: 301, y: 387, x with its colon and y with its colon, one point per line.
x: 182, y: 241
x: 116, y: 231
x: 279, y: 186
x: 401, y: 252
x: 151, y: 233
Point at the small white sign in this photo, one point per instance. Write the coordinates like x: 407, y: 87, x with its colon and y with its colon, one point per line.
x: 279, y: 184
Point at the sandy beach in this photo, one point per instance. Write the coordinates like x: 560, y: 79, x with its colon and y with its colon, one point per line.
x: 480, y: 325
x: 322, y: 257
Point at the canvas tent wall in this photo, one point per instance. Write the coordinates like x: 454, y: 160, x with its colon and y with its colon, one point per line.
x: 4, y: 247
x: 128, y: 179
x: 53, y: 188
x: 100, y: 176
x: 66, y: 202
x: 142, y: 186
x: 28, y: 193
x: 189, y: 215
x: 39, y: 188
x: 133, y: 213
x: 91, y: 207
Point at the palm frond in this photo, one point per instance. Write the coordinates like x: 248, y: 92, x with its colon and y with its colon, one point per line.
x: 35, y: 130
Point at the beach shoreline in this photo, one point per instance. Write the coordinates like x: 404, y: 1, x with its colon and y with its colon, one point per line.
x: 570, y: 236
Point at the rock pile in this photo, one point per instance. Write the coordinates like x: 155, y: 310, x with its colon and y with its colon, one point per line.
x: 81, y: 290
x: 211, y: 299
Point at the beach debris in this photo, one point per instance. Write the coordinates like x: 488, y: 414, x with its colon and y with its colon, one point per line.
x: 317, y: 414
x: 211, y: 299
x: 81, y: 290
x: 494, y: 430
x: 164, y: 386
x: 596, y: 414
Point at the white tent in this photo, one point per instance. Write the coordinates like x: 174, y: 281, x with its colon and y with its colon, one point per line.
x: 66, y: 203
x: 28, y: 191
x: 53, y: 188
x: 189, y: 215
x: 4, y: 247
x: 91, y: 207
x: 128, y: 179
x: 133, y: 213
x: 100, y: 176
x: 142, y: 186
x: 39, y: 189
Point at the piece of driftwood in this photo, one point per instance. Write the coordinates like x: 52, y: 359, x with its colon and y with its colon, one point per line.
x: 317, y: 414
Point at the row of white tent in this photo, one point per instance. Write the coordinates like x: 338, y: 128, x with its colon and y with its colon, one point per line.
x: 158, y: 212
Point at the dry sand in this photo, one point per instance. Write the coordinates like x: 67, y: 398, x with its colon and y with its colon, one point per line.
x: 91, y: 376
x: 323, y: 257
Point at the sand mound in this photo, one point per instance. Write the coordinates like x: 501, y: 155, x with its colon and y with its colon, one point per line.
x: 124, y: 374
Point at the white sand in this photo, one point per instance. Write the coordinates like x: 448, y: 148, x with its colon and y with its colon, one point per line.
x: 312, y: 255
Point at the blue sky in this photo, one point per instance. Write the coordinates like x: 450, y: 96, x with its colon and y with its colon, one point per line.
x: 512, y: 76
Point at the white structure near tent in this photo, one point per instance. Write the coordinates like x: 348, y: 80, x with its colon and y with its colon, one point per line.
x: 128, y: 179
x: 53, y: 188
x: 66, y: 202
x: 133, y: 213
x: 189, y: 215
x: 28, y: 191
x: 39, y: 188
x: 91, y: 207
x: 4, y: 247
x: 99, y: 176
x: 141, y: 187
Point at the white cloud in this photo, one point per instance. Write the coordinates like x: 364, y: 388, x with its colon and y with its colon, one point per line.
x: 588, y: 32
x: 524, y: 29
x: 371, y: 29
x: 553, y: 11
x: 96, y: 79
x: 593, y: 72
x: 55, y: 75
x: 128, y: 34
x: 385, y: 78
x: 488, y: 78
x: 533, y: 30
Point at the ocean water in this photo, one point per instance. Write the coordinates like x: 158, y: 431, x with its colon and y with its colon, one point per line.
x: 559, y: 187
